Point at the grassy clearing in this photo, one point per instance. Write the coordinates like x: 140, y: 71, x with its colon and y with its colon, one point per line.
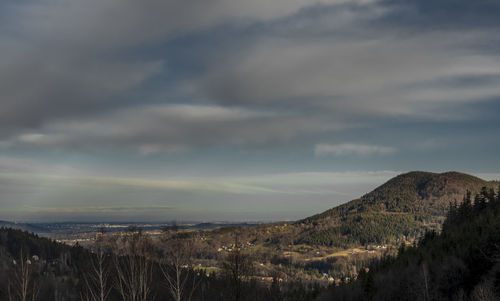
x: 342, y: 253
x: 208, y: 270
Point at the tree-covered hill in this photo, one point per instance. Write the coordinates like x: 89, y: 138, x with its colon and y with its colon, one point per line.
x: 402, y: 208
x: 22, y: 226
x: 461, y: 263
x: 413, y: 192
x: 39, y: 268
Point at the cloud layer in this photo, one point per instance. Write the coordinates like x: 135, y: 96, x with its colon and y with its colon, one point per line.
x: 72, y: 195
x: 352, y: 149
x: 119, y: 74
x: 227, y: 87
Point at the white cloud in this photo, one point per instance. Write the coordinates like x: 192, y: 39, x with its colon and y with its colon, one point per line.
x: 345, y: 149
x: 175, y: 128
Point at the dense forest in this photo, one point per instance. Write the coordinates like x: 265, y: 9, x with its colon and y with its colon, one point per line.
x: 460, y: 263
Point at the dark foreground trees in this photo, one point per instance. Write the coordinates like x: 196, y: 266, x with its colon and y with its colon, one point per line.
x: 129, y: 267
x: 176, y: 264
x: 134, y: 266
x: 23, y: 280
x: 237, y: 266
x: 97, y: 277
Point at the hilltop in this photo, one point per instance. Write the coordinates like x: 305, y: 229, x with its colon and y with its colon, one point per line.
x: 403, y: 207
x: 413, y: 192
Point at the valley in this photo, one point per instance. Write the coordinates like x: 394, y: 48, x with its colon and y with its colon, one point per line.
x: 326, y: 248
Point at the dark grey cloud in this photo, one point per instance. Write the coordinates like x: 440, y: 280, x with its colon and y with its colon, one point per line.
x: 94, y: 91
x: 45, y: 76
x: 81, y: 75
x: 37, y: 88
x: 446, y: 14
x: 349, y: 61
x: 70, y: 60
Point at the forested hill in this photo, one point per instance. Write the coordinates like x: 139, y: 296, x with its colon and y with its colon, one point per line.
x: 414, y: 192
x: 54, y: 270
x: 22, y: 226
x: 461, y: 263
x: 405, y: 206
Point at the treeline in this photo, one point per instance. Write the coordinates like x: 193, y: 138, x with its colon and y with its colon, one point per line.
x: 132, y: 267
x: 460, y: 263
x: 34, y: 268
x: 369, y: 228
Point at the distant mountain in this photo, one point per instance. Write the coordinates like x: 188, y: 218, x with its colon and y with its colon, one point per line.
x: 405, y: 206
x: 22, y: 226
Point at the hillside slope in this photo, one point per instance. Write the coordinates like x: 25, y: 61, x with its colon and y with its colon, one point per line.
x: 402, y: 208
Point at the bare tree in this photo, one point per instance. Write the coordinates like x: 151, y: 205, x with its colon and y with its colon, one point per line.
x: 97, y: 278
x: 176, y: 265
x: 23, y: 285
x: 237, y: 265
x: 484, y: 291
x: 425, y: 274
x: 133, y: 266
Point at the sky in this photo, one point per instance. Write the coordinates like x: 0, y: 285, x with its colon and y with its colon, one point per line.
x: 124, y: 110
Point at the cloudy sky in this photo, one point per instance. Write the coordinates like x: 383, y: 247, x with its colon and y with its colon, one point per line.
x: 238, y: 110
